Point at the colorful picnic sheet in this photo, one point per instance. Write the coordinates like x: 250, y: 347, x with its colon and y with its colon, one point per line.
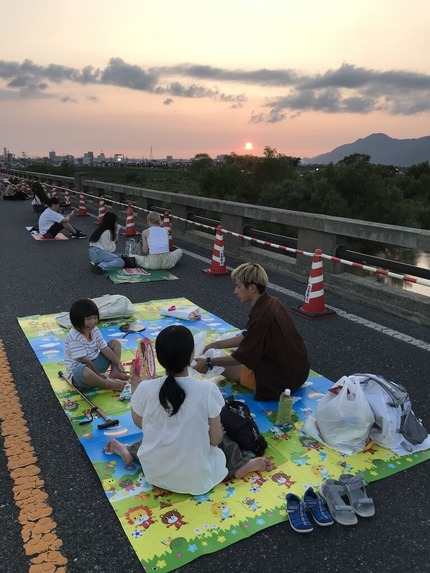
x: 138, y: 275
x: 168, y: 530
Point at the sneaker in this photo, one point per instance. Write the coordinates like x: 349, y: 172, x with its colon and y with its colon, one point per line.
x: 126, y: 393
x: 97, y: 270
x: 317, y: 508
x: 78, y: 235
x: 296, y: 509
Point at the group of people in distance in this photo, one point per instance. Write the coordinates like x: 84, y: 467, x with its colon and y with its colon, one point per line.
x: 155, y: 246
x: 103, y: 241
x: 184, y: 447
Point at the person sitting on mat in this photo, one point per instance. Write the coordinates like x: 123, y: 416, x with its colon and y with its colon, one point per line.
x: 51, y: 222
x: 87, y: 356
x: 183, y: 448
x: 271, y: 354
x: 40, y: 198
x: 103, y: 244
x: 155, y: 246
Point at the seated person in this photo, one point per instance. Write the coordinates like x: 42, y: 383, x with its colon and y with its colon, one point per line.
x: 184, y: 448
x: 270, y: 354
x: 155, y: 246
x: 51, y: 222
x: 103, y: 245
x: 40, y: 198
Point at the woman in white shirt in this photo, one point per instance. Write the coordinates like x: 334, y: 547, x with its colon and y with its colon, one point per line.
x: 184, y: 448
x: 155, y: 246
x: 103, y: 245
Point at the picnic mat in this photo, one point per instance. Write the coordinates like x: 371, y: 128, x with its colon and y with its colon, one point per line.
x: 138, y: 275
x: 168, y: 530
x: 39, y: 237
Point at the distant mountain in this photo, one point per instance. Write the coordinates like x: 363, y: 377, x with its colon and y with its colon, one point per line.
x: 382, y: 149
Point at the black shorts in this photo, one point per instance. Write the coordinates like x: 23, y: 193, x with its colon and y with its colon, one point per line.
x: 54, y: 230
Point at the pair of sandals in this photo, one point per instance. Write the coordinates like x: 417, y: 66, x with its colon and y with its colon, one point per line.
x: 352, y: 488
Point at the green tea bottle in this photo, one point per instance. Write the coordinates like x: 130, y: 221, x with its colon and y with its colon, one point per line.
x: 283, y: 417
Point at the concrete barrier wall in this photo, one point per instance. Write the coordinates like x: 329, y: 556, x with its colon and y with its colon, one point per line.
x: 313, y: 231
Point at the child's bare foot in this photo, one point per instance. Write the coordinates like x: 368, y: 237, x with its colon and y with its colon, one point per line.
x: 254, y: 465
x: 112, y: 384
x: 118, y: 375
x: 115, y: 447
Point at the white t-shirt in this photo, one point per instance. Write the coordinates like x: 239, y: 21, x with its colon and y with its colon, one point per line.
x: 158, y: 241
x: 47, y: 219
x: 105, y: 242
x: 176, y: 453
x: 78, y: 346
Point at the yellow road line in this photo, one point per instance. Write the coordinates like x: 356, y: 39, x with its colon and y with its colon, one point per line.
x: 41, y: 543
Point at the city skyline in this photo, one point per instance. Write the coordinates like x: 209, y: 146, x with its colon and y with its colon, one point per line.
x: 185, y: 78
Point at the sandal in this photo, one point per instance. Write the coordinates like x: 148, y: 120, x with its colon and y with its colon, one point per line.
x: 317, y: 508
x: 296, y: 509
x: 356, y: 492
x: 332, y: 491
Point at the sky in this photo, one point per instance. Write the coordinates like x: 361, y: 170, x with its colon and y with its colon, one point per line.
x: 185, y: 77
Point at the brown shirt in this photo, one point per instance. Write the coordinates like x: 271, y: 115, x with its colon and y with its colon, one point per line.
x: 273, y: 349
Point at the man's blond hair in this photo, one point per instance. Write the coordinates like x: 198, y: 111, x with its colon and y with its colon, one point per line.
x: 251, y: 273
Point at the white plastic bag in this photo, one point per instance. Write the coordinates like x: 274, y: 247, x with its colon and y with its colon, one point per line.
x: 109, y: 305
x: 182, y: 312
x: 344, y: 418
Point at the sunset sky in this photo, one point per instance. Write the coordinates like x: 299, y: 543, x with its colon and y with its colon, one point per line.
x: 193, y: 76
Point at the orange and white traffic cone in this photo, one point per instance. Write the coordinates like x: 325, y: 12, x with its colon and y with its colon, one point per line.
x: 313, y: 306
x: 218, y: 266
x: 54, y: 192
x: 166, y: 225
x: 102, y: 210
x: 82, y: 208
x: 130, y: 227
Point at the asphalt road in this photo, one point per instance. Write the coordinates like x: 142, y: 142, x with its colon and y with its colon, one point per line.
x: 43, y: 278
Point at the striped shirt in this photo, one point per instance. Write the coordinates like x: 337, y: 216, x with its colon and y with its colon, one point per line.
x: 78, y: 346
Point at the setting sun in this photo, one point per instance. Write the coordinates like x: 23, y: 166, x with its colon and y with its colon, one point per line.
x: 249, y: 146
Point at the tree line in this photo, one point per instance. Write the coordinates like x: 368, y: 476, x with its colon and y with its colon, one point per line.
x: 352, y: 188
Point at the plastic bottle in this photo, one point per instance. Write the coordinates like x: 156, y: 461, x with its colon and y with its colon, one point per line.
x: 285, y: 407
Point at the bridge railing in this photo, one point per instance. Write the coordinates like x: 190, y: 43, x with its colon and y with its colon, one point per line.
x: 312, y: 231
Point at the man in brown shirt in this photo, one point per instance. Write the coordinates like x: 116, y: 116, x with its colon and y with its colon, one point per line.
x: 271, y: 354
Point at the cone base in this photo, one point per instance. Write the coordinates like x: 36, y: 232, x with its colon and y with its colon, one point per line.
x: 215, y: 273
x: 313, y: 315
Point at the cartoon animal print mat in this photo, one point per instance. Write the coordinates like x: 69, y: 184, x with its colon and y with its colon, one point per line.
x: 168, y: 530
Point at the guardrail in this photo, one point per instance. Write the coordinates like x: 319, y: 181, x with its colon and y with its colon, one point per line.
x: 313, y: 231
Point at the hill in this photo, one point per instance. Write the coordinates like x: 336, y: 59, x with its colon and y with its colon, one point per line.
x: 381, y: 148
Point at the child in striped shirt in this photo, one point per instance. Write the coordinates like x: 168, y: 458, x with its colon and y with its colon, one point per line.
x: 87, y: 355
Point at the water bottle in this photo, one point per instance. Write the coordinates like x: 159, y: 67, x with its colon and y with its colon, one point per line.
x: 285, y: 408
x: 130, y: 248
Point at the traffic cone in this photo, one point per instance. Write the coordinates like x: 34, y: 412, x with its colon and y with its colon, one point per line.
x: 166, y: 225
x: 82, y: 208
x: 218, y: 266
x: 313, y: 306
x: 54, y: 192
x: 102, y: 210
x: 130, y: 227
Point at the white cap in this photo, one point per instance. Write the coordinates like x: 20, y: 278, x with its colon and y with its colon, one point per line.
x: 287, y: 392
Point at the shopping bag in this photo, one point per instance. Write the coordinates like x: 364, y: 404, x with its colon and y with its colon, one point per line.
x: 343, y: 417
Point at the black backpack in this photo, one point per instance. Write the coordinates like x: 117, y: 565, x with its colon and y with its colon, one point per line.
x: 240, y: 426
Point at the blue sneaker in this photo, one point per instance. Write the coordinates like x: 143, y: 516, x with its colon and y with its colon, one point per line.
x: 317, y: 508
x: 296, y: 509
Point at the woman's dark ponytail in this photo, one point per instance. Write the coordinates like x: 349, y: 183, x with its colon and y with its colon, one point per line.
x: 174, y: 346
